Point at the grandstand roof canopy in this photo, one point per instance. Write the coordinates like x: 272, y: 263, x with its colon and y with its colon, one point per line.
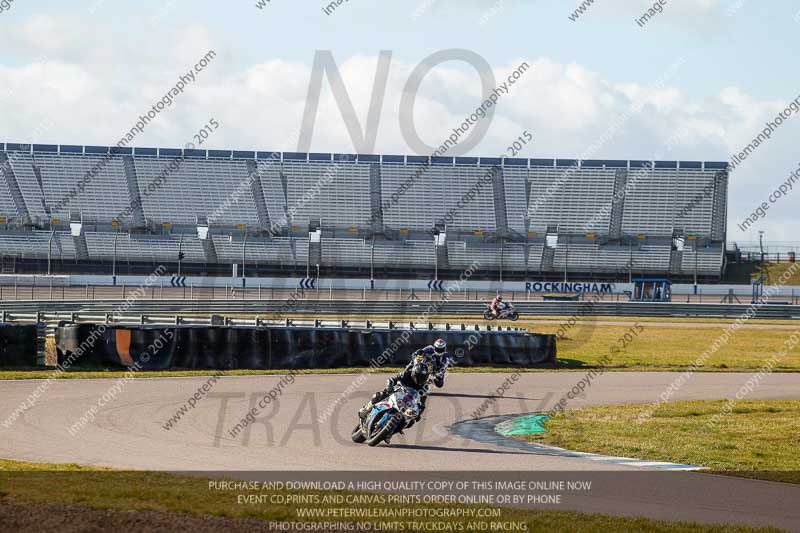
x: 67, y: 149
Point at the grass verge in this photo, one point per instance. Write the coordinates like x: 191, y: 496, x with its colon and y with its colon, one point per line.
x: 757, y: 439
x: 647, y: 346
x: 776, y: 270
x: 31, y: 483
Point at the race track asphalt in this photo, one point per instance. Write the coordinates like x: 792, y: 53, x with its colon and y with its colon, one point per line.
x: 293, y: 433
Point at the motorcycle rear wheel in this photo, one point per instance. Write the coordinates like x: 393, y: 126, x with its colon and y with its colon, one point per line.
x: 488, y: 315
x: 357, y: 435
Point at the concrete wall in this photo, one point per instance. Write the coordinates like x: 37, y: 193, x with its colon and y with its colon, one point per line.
x: 421, y: 286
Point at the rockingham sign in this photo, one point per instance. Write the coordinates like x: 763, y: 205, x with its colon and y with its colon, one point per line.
x: 556, y: 287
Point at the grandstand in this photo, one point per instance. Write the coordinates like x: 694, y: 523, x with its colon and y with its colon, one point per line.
x: 74, y: 208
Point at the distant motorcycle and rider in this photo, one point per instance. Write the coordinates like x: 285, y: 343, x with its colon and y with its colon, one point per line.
x: 401, y: 403
x: 499, y: 310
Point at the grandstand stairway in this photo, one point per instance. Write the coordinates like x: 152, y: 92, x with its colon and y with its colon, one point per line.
x: 137, y: 215
x: 209, y: 250
x: 81, y: 248
x: 719, y: 208
x: 375, y: 196
x: 500, y: 213
x: 442, y: 258
x: 675, y: 260
x: 258, y: 195
x: 314, y: 251
x: 618, y: 206
x: 16, y: 195
x: 59, y: 250
x: 548, y: 255
x: 9, y: 265
x: 285, y: 190
x: 37, y: 172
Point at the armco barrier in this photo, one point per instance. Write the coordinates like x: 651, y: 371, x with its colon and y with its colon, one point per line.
x: 342, y: 308
x: 237, y: 347
x: 18, y: 345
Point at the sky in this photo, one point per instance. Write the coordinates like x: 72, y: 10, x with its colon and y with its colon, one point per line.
x: 696, y: 81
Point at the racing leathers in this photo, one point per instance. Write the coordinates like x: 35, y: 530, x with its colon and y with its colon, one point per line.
x: 438, y: 363
x: 496, y: 305
x: 414, y: 376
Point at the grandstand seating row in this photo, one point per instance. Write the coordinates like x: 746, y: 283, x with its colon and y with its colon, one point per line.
x: 573, y: 199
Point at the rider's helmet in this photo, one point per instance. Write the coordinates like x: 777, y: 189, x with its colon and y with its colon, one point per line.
x: 499, y: 298
x: 420, y: 373
x: 439, y: 346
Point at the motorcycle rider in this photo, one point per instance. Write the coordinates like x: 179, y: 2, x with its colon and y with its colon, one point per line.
x: 415, y: 377
x: 496, y: 305
x: 437, y: 357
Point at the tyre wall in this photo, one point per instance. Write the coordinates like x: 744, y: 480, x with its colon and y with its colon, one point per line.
x: 236, y: 347
x: 18, y: 345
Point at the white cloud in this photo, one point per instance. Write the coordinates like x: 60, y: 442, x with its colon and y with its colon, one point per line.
x: 672, y: 10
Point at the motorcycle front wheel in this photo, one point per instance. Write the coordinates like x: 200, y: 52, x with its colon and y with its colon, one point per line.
x: 386, y: 431
x: 513, y: 315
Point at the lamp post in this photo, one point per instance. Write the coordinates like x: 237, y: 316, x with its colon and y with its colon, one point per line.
x: 50, y: 250
x: 180, y: 253
x: 502, y: 254
x: 114, y: 260
x: 372, y: 263
x: 630, y: 261
x: 435, y: 259
x: 244, y: 258
x: 308, y: 257
x: 525, y: 224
